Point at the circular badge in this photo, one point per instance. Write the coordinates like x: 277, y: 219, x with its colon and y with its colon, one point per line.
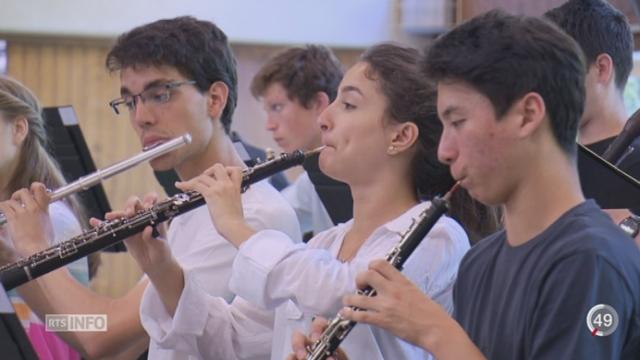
x: 602, y: 320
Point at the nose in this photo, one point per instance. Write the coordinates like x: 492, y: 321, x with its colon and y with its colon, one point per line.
x: 271, y: 124
x: 141, y: 114
x: 325, y: 120
x: 446, y: 148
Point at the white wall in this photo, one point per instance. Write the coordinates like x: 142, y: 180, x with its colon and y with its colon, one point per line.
x: 342, y: 23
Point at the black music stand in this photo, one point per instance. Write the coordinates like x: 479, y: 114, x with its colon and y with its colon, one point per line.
x: 609, y: 186
x: 335, y: 195
x: 14, y: 343
x: 69, y: 148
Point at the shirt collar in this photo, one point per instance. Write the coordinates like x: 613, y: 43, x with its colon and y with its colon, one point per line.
x: 403, y: 222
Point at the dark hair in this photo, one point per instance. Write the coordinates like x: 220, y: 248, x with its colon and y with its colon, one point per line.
x: 303, y: 72
x: 505, y: 57
x: 411, y: 98
x: 598, y: 28
x: 198, y: 49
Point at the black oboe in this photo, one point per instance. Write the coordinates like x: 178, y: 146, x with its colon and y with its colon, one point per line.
x: 339, y: 328
x: 113, y: 231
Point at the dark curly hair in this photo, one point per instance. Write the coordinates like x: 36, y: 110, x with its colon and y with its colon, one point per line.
x: 198, y: 49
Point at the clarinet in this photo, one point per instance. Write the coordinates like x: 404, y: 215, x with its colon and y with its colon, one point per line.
x: 339, y: 328
x: 111, y: 232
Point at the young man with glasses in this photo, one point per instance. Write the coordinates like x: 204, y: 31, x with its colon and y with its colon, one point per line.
x: 177, y: 76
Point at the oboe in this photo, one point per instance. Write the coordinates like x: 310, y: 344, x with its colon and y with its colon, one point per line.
x: 339, y: 328
x: 113, y: 231
x: 88, y: 181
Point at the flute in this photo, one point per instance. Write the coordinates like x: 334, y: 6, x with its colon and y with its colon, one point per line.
x: 339, y: 328
x: 98, y: 176
x: 113, y: 231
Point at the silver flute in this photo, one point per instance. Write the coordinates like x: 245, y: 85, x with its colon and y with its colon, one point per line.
x: 339, y: 328
x: 111, y: 232
x: 98, y: 176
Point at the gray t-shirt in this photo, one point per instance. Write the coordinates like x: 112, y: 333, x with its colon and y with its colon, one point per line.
x: 532, y: 301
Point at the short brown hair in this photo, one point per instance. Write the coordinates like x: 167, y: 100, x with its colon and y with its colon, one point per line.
x: 303, y: 72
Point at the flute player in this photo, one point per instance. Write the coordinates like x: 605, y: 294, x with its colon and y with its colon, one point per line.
x: 177, y: 76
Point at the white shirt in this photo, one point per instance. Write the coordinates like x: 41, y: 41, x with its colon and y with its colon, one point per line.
x: 304, y: 199
x: 207, y: 257
x: 300, y: 281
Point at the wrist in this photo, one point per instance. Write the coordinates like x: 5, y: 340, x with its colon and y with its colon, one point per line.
x: 449, y: 341
x: 159, y: 270
x: 631, y: 225
x: 237, y: 232
x: 26, y: 250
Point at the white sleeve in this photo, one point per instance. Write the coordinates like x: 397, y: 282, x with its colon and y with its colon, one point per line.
x: 207, y: 327
x: 270, y: 269
x: 298, y: 196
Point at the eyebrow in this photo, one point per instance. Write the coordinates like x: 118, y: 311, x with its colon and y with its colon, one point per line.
x: 125, y: 91
x: 347, y: 88
x: 448, y: 111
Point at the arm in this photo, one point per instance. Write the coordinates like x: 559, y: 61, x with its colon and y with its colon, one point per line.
x: 58, y: 292
x: 281, y: 270
x: 203, y: 325
x: 617, y: 215
x: 404, y: 310
x: 558, y: 325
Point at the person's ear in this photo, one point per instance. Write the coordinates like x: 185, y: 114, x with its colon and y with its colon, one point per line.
x: 604, y: 69
x: 20, y: 130
x: 402, y: 137
x: 532, y: 111
x: 217, y: 97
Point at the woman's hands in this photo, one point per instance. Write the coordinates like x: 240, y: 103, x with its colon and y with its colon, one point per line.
x: 28, y: 224
x: 300, y: 343
x: 220, y: 187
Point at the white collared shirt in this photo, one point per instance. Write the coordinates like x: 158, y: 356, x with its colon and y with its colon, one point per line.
x: 300, y: 281
x: 304, y: 199
x: 207, y: 257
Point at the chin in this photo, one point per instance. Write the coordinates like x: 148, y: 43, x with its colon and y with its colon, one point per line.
x: 162, y: 164
x: 327, y: 169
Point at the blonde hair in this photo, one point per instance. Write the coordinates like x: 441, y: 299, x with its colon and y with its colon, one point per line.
x: 34, y: 162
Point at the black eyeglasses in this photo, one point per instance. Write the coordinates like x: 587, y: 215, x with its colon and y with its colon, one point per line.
x: 159, y: 94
